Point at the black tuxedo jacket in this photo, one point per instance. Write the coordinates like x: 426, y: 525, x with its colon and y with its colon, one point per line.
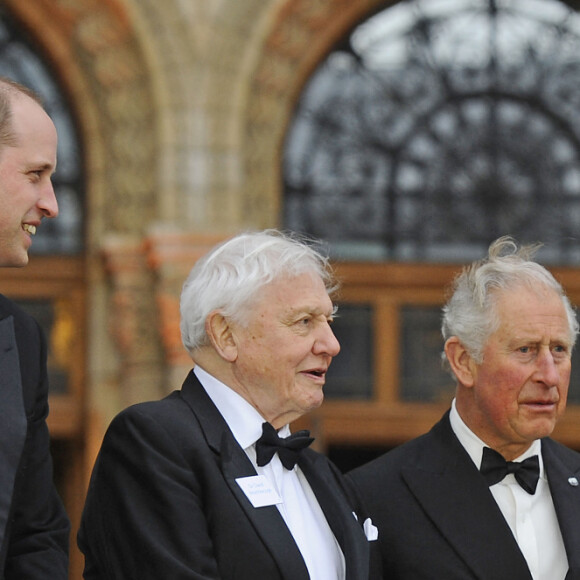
x: 163, y: 502
x: 438, y: 520
x: 34, y: 528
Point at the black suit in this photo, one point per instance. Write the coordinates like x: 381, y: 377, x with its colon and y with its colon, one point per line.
x: 437, y: 518
x: 34, y: 529
x: 163, y: 502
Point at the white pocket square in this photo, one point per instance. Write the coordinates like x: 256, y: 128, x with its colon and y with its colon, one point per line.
x: 371, y: 531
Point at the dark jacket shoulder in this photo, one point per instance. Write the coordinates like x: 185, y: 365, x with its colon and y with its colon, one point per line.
x: 22, y: 320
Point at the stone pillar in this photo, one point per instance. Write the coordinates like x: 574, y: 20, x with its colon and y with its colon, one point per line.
x: 171, y: 255
x: 133, y: 321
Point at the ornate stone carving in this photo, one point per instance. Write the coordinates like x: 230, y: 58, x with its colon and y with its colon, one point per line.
x: 171, y: 255
x: 132, y: 319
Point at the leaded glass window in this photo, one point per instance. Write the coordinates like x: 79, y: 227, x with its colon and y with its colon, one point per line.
x: 350, y: 374
x: 21, y: 61
x: 436, y: 126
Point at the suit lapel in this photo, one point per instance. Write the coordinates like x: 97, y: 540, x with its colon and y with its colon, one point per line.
x: 12, y: 418
x: 341, y: 520
x: 454, y: 495
x: 562, y: 467
x: 267, y: 521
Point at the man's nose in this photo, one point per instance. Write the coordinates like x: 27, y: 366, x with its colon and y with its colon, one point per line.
x: 548, y: 368
x: 47, y: 201
x: 327, y: 342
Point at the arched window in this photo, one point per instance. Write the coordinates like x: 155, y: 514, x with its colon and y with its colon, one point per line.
x: 436, y: 126
x: 432, y: 128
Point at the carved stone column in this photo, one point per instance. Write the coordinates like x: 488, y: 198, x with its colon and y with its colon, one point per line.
x: 171, y: 255
x: 133, y: 321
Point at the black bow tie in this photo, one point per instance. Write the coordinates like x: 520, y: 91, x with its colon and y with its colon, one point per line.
x: 494, y: 468
x: 288, y: 448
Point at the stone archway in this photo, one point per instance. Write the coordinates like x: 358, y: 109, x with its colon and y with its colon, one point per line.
x: 300, y: 37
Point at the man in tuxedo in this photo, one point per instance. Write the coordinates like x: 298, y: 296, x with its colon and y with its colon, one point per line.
x: 34, y: 528
x: 200, y: 484
x: 464, y: 501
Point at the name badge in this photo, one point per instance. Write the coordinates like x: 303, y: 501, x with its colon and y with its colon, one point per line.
x: 259, y: 490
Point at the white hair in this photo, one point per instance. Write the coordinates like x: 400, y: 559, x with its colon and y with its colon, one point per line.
x: 470, y: 314
x: 229, y: 277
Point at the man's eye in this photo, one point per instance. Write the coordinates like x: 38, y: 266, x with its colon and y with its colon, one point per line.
x: 38, y: 174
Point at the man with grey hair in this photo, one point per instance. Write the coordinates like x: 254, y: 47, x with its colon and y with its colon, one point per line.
x: 487, y: 494
x: 208, y: 482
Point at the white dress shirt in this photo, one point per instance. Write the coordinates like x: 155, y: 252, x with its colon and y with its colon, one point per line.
x: 299, y: 507
x: 531, y: 518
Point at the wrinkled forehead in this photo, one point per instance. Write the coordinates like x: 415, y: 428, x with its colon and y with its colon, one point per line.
x: 305, y: 287
x: 513, y: 292
x: 523, y: 306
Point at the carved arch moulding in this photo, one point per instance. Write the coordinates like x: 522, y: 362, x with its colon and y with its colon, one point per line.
x: 302, y: 34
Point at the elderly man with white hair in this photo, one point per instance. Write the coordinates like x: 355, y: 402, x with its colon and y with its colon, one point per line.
x: 208, y: 483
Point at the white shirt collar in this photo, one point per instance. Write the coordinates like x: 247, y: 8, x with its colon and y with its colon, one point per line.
x: 244, y: 421
x: 474, y: 445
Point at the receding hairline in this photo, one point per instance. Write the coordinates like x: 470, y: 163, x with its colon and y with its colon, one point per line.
x: 13, y: 89
x: 11, y: 93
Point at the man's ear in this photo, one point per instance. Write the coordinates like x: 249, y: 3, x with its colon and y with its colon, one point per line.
x: 460, y: 361
x: 221, y: 336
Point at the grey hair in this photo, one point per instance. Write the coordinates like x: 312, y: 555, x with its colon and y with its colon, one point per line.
x: 470, y: 314
x: 229, y: 277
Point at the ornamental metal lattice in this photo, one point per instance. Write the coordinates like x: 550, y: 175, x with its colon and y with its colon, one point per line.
x: 437, y: 126
x: 20, y: 60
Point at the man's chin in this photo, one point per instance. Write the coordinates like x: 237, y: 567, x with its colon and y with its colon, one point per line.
x: 316, y: 402
x: 13, y: 262
x: 541, y: 429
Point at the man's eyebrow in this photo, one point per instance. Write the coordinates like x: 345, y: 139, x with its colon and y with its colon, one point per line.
x: 313, y: 311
